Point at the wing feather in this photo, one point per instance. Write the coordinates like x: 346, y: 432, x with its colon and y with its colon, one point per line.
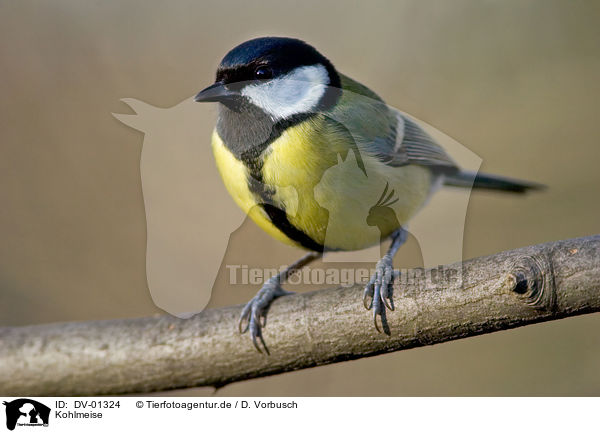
x: 412, y: 145
x: 386, y: 133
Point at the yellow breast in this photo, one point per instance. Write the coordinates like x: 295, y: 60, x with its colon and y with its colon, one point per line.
x: 317, y: 180
x: 235, y: 176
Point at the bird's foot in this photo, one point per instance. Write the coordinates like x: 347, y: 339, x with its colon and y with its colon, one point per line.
x: 254, y: 314
x: 378, y: 291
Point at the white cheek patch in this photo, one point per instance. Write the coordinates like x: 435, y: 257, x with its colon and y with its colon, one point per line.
x: 297, y: 92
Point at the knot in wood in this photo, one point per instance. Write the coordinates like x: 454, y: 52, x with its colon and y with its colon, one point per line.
x: 531, y: 278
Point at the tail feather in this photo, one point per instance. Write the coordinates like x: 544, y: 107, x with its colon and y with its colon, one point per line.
x: 468, y: 179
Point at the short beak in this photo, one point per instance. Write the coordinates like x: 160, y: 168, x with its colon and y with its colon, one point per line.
x: 216, y: 93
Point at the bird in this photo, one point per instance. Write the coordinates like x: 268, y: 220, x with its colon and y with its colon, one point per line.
x: 285, y: 116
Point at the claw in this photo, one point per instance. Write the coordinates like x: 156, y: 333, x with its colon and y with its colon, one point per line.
x: 375, y: 321
x: 254, y: 341
x: 262, y: 340
x: 245, y: 317
x: 264, y: 345
x: 253, y: 335
x: 368, y: 297
x: 254, y: 315
x: 379, y: 285
x: 262, y: 319
x: 385, y: 290
x: 256, y: 332
x: 376, y: 309
x: 256, y: 344
x: 387, y: 304
x: 254, y: 329
x: 242, y: 331
x: 377, y: 293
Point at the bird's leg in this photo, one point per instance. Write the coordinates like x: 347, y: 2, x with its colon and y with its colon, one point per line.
x: 254, y: 314
x: 377, y: 291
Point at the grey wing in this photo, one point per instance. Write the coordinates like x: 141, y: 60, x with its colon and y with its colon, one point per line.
x: 409, y: 144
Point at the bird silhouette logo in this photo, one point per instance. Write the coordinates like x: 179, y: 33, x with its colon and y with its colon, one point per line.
x: 382, y: 214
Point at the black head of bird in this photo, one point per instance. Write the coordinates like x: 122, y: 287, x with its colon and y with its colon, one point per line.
x: 283, y: 77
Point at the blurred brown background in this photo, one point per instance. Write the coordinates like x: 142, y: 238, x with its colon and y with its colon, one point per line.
x: 514, y: 81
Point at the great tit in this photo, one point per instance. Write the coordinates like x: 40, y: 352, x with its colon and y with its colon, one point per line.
x: 287, y: 116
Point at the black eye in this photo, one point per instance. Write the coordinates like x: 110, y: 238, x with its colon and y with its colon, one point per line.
x: 263, y: 73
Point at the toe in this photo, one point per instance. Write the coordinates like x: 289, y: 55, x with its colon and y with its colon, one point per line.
x: 386, y: 289
x: 254, y: 315
x: 375, y: 316
x: 376, y: 307
x: 368, y: 296
x: 256, y: 334
x: 245, y: 318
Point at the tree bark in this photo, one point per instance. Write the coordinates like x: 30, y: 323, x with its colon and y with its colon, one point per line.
x: 502, y: 291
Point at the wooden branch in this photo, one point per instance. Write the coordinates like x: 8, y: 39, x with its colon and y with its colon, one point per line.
x: 506, y: 290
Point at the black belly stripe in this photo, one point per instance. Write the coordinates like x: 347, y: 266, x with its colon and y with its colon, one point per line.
x: 247, y: 134
x: 278, y: 216
x: 280, y: 220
